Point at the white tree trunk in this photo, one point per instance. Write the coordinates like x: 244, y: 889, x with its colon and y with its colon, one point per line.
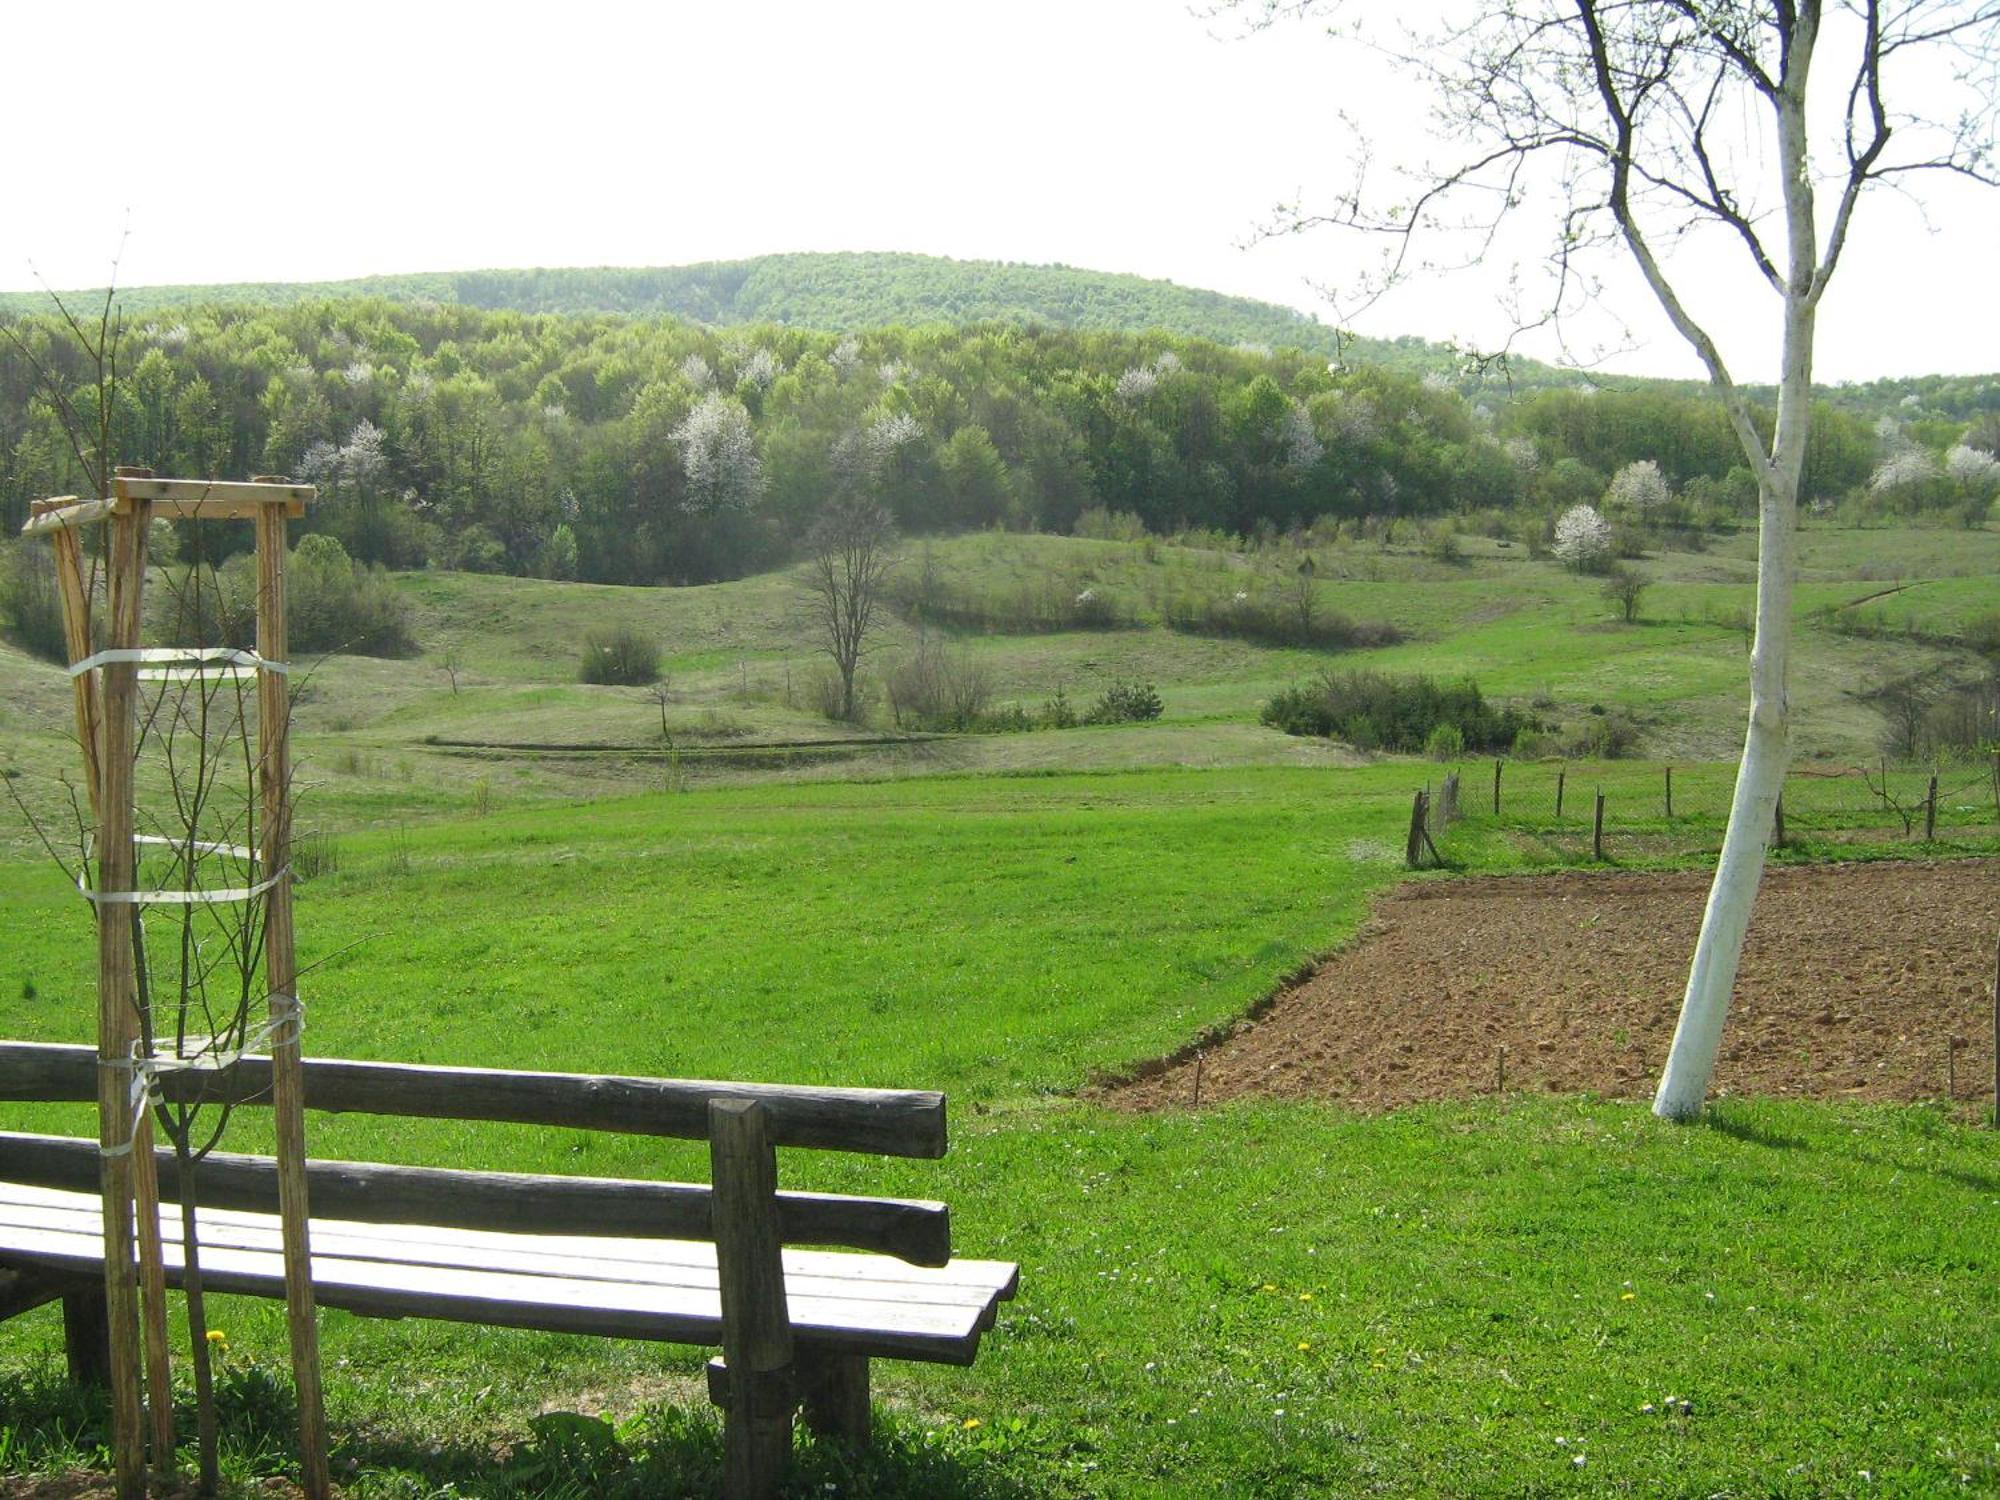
x: 1767, y: 744
x: 1759, y: 781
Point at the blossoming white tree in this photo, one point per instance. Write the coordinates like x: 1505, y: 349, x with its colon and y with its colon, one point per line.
x: 1639, y: 488
x: 1583, y: 538
x: 1644, y: 123
x: 719, y: 456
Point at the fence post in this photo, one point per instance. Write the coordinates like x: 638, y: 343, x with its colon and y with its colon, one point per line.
x: 1778, y: 821
x: 1670, y: 791
x: 1562, y: 775
x: 1930, y: 810
x: 1413, y: 848
x: 1496, y: 787
x: 1597, y: 829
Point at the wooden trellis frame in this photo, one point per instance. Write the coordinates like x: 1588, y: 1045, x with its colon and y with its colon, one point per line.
x: 106, y: 694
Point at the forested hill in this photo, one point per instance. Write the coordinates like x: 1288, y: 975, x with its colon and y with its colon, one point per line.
x: 836, y: 293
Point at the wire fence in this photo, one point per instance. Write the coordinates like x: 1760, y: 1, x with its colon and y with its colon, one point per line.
x: 1619, y: 811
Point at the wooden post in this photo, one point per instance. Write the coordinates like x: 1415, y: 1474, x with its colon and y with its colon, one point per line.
x: 75, y: 596
x: 274, y: 713
x: 1670, y: 791
x: 1496, y: 786
x: 118, y: 998
x: 1562, y: 775
x: 87, y: 1335
x: 1413, y: 847
x: 756, y: 1326
x: 835, y: 1392
x: 1778, y: 823
x: 1930, y: 810
x: 1597, y: 829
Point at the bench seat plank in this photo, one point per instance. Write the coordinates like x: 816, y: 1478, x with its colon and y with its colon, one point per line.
x: 665, y: 1290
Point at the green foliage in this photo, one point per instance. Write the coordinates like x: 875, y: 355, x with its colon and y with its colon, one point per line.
x: 1446, y: 742
x: 620, y: 657
x: 1378, y: 711
x: 1126, y: 703
x: 30, y: 603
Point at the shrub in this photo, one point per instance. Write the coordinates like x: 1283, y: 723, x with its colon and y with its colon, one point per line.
x: 1373, y: 710
x: 332, y: 604
x: 1058, y: 713
x: 30, y: 603
x: 1289, y: 617
x: 621, y: 657
x: 1446, y: 742
x: 1126, y: 703
x: 936, y: 689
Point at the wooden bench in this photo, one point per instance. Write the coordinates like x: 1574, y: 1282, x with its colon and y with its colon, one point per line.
x: 683, y: 1263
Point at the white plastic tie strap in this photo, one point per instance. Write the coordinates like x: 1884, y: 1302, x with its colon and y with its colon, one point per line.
x: 184, y: 898
x: 284, y: 1024
x: 179, y: 664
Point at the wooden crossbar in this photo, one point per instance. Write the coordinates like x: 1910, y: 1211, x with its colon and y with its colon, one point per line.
x: 881, y: 1122
x: 909, y: 1229
x: 176, y: 499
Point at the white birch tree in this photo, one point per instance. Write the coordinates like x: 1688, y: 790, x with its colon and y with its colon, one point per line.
x: 1648, y: 124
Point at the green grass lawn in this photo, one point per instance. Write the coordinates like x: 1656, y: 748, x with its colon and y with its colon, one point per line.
x: 1260, y: 1300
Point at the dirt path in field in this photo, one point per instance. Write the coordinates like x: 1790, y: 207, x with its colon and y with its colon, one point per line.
x: 1854, y: 979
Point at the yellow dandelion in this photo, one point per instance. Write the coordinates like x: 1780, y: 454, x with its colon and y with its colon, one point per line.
x: 1626, y: 1296
x: 1305, y: 1348
x: 1267, y: 1287
x: 1305, y: 1296
x: 971, y: 1422
x: 217, y: 1336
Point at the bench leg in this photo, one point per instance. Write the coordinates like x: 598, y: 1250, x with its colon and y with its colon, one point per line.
x: 835, y: 1391
x: 87, y: 1335
x: 757, y: 1411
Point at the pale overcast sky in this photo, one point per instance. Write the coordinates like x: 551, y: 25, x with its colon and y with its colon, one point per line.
x: 276, y: 141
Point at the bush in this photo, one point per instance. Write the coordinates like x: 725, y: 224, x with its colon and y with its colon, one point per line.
x: 30, y: 603
x: 1373, y: 710
x: 619, y: 658
x: 1126, y: 703
x: 936, y: 689
x: 331, y: 604
x: 1446, y: 742
x: 1288, y: 617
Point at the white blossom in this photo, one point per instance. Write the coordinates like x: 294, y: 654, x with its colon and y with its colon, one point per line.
x: 1909, y: 467
x: 846, y: 356
x: 1638, y: 487
x: 360, y: 372
x: 1582, y: 536
x: 1136, y: 384
x: 761, y: 368
x: 719, y: 456
x: 1302, y: 448
x: 1522, y: 455
x: 1971, y: 466
x: 695, y: 371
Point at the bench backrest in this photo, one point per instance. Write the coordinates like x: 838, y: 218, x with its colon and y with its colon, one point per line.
x: 876, y: 1121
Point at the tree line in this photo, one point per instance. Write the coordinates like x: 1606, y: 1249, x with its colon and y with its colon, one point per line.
x: 655, y: 450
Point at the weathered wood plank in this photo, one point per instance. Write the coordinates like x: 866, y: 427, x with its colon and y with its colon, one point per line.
x: 910, y: 1230
x: 881, y: 1122
x: 833, y: 1390
x: 941, y: 1335
x: 845, y: 1276
x: 214, y: 499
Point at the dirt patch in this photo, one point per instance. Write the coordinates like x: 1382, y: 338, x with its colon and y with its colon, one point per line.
x: 1854, y: 979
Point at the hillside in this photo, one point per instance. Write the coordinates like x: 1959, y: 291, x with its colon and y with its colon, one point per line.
x: 832, y: 293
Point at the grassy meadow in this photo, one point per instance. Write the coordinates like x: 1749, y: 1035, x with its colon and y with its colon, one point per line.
x: 1527, y: 1295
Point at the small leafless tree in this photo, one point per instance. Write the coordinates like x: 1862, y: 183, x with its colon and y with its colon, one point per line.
x: 1624, y: 587
x: 852, y: 546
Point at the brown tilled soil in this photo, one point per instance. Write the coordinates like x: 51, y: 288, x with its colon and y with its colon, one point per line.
x: 1854, y: 982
